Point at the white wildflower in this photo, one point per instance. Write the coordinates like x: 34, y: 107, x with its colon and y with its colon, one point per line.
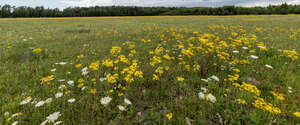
x: 71, y: 100
x: 59, y: 94
x: 15, y: 123
x: 54, y: 116
x: 49, y: 100
x: 127, y: 101
x: 201, y: 95
x: 103, y: 79
x: 83, y: 88
x: 253, y: 57
x: 44, y: 122
x: 269, y: 66
x: 14, y: 115
x: 235, y: 51
x: 40, y: 103
x: 61, y: 63
x: 245, y: 47
x: 25, y: 101
x: 6, y: 114
x: 262, y: 47
x: 122, y: 108
x: 215, y: 78
x: 62, y: 87
x: 105, y: 100
x: 205, y: 80
x: 53, y: 70
x: 211, y: 98
x: 61, y: 80
x: 58, y: 122
x: 204, y: 90
x: 290, y: 89
x: 84, y: 71
x: 70, y: 82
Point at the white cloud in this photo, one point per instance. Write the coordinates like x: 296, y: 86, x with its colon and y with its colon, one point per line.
x: 190, y: 3
x: 264, y: 3
x: 85, y: 3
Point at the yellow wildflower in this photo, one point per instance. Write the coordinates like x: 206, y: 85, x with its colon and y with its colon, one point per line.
x: 37, y: 50
x: 169, y: 116
x: 78, y: 66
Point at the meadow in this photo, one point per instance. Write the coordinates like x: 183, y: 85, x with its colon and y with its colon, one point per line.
x: 150, y: 70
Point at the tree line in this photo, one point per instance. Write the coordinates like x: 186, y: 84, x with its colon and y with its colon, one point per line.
x: 40, y: 11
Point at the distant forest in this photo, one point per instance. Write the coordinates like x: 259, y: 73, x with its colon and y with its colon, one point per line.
x: 23, y: 11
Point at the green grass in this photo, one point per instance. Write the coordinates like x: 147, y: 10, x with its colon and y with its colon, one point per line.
x: 63, y: 40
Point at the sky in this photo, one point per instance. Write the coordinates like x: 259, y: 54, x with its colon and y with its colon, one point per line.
x: 168, y: 3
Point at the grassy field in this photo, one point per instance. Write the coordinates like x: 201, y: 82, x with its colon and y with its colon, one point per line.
x: 150, y: 70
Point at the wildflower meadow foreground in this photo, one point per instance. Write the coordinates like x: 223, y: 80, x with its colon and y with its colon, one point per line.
x: 144, y: 70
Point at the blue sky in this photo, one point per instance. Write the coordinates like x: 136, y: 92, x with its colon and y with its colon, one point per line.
x: 187, y: 3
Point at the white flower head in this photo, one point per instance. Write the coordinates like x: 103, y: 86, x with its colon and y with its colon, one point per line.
x: 61, y: 63
x: 53, y: 70
x: 235, y: 51
x: 83, y: 88
x: 105, y: 100
x: 211, y: 98
x: 204, y: 89
x: 15, y: 123
x: 71, y: 100
x: 205, y: 80
x: 84, y: 71
x: 253, y: 57
x: 62, y: 86
x: 262, y: 47
x: 6, y: 114
x: 122, y: 108
x: 61, y: 80
x: 59, y: 94
x: 25, y: 101
x: 269, y: 66
x: 245, y: 47
x: 57, y: 123
x: 215, y: 78
x: 127, y: 101
x: 44, y: 122
x: 103, y: 79
x: 70, y: 82
x: 40, y: 103
x: 49, y: 100
x: 54, y: 116
x: 201, y: 95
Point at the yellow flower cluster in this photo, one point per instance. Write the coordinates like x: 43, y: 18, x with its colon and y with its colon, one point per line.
x: 261, y: 104
x: 291, y: 54
x: 37, y: 50
x: 279, y: 96
x: 250, y: 88
x: 94, y: 65
x: 46, y: 79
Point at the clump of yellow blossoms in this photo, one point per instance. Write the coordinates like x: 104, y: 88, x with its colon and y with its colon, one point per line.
x: 279, y: 96
x: 241, y: 101
x: 169, y: 116
x: 115, y: 50
x: 261, y: 104
x: 291, y: 54
x: 46, y: 79
x: 37, y: 50
x: 80, y: 56
x: 78, y: 66
x: 297, y: 114
x: 250, y: 88
x: 94, y: 65
x: 180, y: 79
